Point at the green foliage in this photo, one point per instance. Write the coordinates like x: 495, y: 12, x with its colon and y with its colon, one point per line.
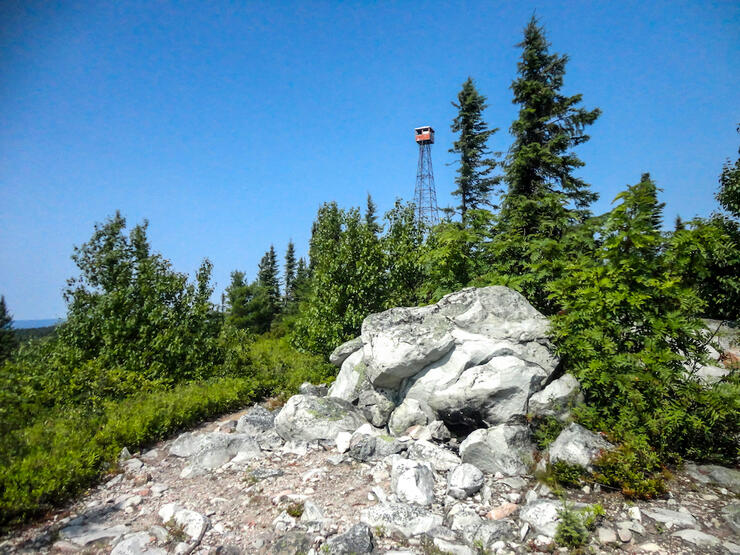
x: 627, y: 328
x: 403, y: 248
x: 249, y: 306
x: 59, y: 455
x: 545, y: 431
x: 473, y: 180
x: 295, y: 509
x: 574, y: 525
x: 455, y: 255
x: 268, y: 278
x: 347, y: 280
x: 728, y: 194
x: 129, y: 312
x: 571, y: 531
x: 706, y: 255
x: 566, y: 474
x: 27, y: 334
x: 548, y: 126
x: 634, y: 468
x: 371, y: 216
x: 8, y: 339
x: 50, y: 450
x: 290, y: 277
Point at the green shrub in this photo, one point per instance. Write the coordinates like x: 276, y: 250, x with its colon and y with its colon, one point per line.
x: 628, y: 328
x: 574, y: 526
x: 546, y: 430
x: 571, y: 531
x: 295, y: 509
x: 64, y: 452
x: 568, y: 475
x: 634, y: 468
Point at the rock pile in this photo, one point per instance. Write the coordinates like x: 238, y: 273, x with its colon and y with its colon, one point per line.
x: 422, y: 445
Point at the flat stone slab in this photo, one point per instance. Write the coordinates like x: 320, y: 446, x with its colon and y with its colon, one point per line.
x: 86, y: 534
x: 681, y: 519
x: 408, y: 520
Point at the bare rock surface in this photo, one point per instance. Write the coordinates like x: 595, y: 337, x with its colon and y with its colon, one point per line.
x: 246, y: 508
x: 422, y: 445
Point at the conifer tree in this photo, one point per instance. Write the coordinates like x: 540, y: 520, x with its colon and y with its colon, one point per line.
x: 541, y: 162
x: 290, y: 273
x: 543, y: 222
x: 8, y: 340
x: 267, y: 276
x: 302, y: 280
x: 371, y: 217
x: 474, y: 181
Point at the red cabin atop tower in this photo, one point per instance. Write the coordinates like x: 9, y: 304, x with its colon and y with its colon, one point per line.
x: 424, y: 135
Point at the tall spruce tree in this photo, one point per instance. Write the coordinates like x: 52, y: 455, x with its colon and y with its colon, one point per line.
x: 290, y: 273
x: 302, y: 282
x: 474, y: 181
x: 543, y: 221
x: 8, y: 340
x: 267, y: 276
x: 541, y: 161
x: 371, y: 216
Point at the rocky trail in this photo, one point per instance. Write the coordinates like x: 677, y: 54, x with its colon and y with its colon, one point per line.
x: 423, y: 445
x: 347, y: 506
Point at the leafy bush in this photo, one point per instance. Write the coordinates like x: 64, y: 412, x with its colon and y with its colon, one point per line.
x: 546, y: 430
x: 571, y: 531
x: 634, y: 468
x: 67, y: 450
x: 627, y: 329
x: 568, y: 475
x: 574, y: 526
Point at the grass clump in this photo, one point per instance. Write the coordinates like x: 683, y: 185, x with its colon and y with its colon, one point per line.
x: 295, y: 509
x: 575, y: 525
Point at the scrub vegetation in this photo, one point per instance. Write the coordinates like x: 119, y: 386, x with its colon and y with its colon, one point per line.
x: 143, y: 352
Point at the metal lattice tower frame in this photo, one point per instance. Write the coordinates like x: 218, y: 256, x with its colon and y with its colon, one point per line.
x: 425, y: 194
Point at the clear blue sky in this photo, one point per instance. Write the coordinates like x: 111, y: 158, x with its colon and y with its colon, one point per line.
x: 227, y: 124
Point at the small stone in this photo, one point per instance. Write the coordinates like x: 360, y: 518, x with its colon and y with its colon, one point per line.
x: 651, y: 548
x: 635, y: 514
x: 342, y: 440
x: 625, y: 536
x: 502, y: 511
x: 606, y: 536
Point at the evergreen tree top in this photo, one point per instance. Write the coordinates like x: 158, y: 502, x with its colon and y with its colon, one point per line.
x: 549, y: 125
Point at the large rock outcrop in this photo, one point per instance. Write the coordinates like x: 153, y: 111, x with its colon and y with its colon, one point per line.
x: 309, y: 418
x: 472, y: 360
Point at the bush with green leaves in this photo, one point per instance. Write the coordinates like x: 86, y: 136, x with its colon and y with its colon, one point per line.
x: 129, y: 312
x: 705, y: 253
x: 628, y: 328
x: 634, y: 468
x: 574, y: 525
x: 51, y: 459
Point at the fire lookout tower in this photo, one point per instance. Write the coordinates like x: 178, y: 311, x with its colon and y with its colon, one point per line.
x: 425, y: 194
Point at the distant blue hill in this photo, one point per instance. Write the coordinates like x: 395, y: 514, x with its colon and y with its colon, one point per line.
x: 26, y: 324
